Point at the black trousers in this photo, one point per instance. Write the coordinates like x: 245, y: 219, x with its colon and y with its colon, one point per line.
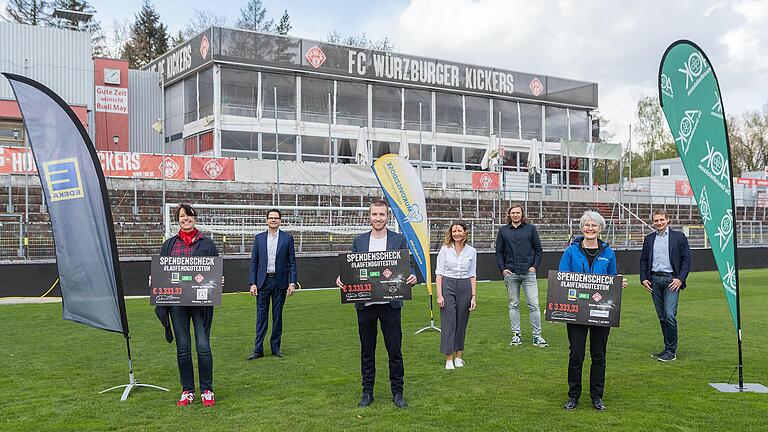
x: 367, y: 325
x: 268, y: 292
x: 598, y: 341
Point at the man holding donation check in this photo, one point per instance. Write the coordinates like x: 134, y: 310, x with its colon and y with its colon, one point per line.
x: 369, y: 314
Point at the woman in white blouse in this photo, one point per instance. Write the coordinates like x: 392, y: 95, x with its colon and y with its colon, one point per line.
x: 456, y: 286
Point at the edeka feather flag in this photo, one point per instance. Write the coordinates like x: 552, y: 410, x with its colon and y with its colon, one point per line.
x: 402, y: 187
x: 77, y: 201
x: 690, y: 98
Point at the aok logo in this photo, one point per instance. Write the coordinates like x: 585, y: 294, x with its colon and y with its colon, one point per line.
x: 666, y: 86
x: 716, y: 164
x: 729, y: 280
x: 704, y: 208
x: 725, y: 230
x: 63, y: 178
x: 717, y: 108
x: 688, y: 125
x: 694, y: 69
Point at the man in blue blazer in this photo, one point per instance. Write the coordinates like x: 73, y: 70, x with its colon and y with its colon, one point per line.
x: 369, y: 314
x: 664, y: 266
x: 272, y: 277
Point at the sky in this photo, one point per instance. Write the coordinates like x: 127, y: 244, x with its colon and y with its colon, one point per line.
x: 617, y: 44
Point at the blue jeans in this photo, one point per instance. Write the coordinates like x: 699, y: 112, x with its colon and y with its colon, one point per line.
x: 531, y: 289
x: 666, y: 309
x: 180, y: 317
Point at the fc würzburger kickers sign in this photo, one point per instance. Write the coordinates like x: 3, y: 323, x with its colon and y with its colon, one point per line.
x: 374, y: 276
x: 584, y: 298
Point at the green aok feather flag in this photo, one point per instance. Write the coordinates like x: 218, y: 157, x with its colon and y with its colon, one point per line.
x: 690, y: 98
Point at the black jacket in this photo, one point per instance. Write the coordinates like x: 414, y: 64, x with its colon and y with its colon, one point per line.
x: 679, y: 256
x: 202, y: 247
x: 518, y: 249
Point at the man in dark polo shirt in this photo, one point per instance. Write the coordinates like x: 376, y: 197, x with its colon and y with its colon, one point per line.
x: 518, y: 253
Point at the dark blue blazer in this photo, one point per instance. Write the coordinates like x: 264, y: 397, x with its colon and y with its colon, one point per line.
x: 395, y: 241
x: 679, y: 256
x: 285, y: 260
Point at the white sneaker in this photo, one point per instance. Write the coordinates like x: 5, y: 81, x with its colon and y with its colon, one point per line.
x: 540, y: 342
x: 516, y: 341
x: 458, y: 362
x: 449, y: 365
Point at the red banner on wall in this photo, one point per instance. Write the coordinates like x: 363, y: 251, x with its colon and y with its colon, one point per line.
x: 222, y: 169
x: 683, y: 188
x: 114, y: 164
x: 485, y: 180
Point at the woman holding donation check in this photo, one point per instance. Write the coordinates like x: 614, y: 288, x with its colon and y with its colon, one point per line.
x: 190, y: 242
x: 588, y: 254
x: 456, y: 287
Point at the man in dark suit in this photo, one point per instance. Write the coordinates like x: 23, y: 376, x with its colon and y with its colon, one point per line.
x: 272, y: 277
x: 388, y: 313
x: 664, y: 266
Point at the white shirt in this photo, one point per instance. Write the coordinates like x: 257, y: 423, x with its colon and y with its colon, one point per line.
x: 272, y: 250
x: 377, y: 245
x: 461, y: 266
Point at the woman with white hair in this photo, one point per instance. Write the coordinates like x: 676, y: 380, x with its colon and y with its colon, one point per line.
x: 588, y: 254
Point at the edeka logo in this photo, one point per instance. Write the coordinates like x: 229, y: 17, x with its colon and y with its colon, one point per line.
x: 666, y: 86
x: 695, y: 70
x: 729, y: 280
x: 717, y: 108
x: 63, y: 178
x: 716, y: 168
x: 725, y: 230
x: 706, y: 213
x: 688, y: 125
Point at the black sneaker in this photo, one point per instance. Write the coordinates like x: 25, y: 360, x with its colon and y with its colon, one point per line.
x: 658, y: 354
x: 571, y: 404
x: 366, y: 400
x: 667, y: 357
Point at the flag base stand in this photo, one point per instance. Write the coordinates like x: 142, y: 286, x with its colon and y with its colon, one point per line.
x: 744, y: 388
x: 132, y: 383
x: 431, y: 326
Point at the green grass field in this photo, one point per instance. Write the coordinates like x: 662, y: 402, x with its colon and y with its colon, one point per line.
x: 51, y: 370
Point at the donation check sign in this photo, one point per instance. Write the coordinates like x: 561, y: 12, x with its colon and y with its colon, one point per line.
x: 374, y: 276
x: 582, y: 298
x: 186, y: 280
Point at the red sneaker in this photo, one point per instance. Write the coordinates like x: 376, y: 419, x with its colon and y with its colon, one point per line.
x: 208, y: 399
x: 187, y: 398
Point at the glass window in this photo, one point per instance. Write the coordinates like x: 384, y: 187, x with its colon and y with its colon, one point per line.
x: 286, y: 96
x: 448, y: 115
x: 277, y: 49
x: 314, y: 99
x: 530, y: 115
x: 578, y: 164
x: 351, y: 103
x: 345, y: 150
x: 380, y: 148
x: 205, y: 87
x: 412, y: 100
x: 523, y: 158
x: 448, y: 154
x: 387, y: 104
x: 580, y: 128
x: 287, y: 146
x: 473, y: 157
x: 554, y: 162
x: 426, y: 152
x: 556, y: 124
x: 478, y: 122
x: 238, y: 140
x: 509, y: 122
x: 510, y: 160
x: 190, y: 99
x: 239, y: 92
x: 314, y: 149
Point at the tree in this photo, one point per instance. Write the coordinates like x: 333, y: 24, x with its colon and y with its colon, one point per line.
x: 748, y: 137
x: 149, y: 38
x: 651, y: 138
x: 284, y: 26
x: 362, y: 41
x: 32, y: 12
x: 116, y: 36
x: 91, y: 26
x: 201, y: 20
x: 254, y: 17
